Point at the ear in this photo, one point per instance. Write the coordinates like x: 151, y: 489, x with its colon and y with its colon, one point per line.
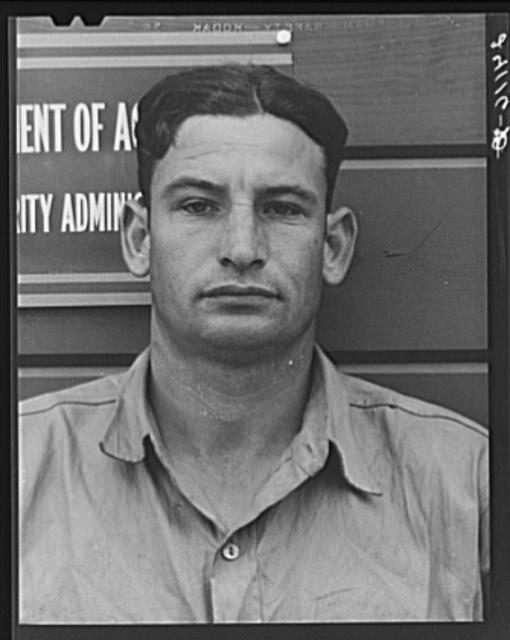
x: 339, y: 243
x: 135, y: 238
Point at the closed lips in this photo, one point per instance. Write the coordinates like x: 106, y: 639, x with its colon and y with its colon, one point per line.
x: 239, y: 290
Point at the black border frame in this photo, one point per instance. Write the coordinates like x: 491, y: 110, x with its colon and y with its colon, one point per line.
x: 497, y: 624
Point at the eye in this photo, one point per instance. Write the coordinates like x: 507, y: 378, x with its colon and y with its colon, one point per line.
x: 199, y: 207
x: 281, y: 209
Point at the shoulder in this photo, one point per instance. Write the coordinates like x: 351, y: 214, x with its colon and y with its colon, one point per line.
x: 57, y: 431
x: 436, y: 454
x: 95, y: 393
x: 64, y: 415
x: 416, y: 435
x: 407, y: 411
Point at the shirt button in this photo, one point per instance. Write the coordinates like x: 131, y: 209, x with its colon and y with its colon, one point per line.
x: 230, y: 551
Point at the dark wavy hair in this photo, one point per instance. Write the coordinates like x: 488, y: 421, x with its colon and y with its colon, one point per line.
x: 235, y: 90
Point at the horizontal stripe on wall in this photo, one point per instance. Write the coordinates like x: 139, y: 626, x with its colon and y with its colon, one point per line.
x: 413, y: 163
x: 83, y: 299
x: 62, y: 278
x: 445, y: 368
x: 136, y: 62
x: 109, y: 39
x: 345, y: 358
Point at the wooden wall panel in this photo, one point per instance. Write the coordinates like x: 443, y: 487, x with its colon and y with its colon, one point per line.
x: 419, y: 277
x: 109, y: 330
x: 418, y: 281
x: 34, y: 382
x: 398, y: 79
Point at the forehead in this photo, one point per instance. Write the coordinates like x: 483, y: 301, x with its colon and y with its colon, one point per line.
x: 254, y: 145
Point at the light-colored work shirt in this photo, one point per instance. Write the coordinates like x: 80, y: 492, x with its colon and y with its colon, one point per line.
x: 378, y: 511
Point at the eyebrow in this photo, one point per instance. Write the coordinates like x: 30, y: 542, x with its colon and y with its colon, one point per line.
x: 198, y: 183
x: 265, y: 191
x: 286, y: 189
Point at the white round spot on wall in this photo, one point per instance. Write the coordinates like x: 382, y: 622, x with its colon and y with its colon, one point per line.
x: 283, y: 36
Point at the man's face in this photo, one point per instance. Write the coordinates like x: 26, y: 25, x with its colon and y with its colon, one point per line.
x: 237, y: 227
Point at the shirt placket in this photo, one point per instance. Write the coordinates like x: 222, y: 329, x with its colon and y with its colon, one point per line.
x: 233, y: 579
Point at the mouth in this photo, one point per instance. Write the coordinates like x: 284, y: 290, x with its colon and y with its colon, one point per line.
x: 239, y: 291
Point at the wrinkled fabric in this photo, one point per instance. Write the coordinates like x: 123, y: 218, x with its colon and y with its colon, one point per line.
x: 378, y: 511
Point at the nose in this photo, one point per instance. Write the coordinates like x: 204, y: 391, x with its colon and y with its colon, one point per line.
x: 244, y: 245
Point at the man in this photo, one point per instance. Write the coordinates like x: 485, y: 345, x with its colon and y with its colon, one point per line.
x: 233, y: 474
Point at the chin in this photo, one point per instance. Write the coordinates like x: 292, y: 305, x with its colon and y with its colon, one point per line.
x: 249, y: 341
x: 241, y: 341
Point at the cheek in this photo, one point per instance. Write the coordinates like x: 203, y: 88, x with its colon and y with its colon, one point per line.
x: 167, y: 263
x: 306, y: 256
x: 182, y: 243
x: 304, y: 266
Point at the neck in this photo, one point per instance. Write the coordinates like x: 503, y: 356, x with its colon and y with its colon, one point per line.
x: 215, y: 406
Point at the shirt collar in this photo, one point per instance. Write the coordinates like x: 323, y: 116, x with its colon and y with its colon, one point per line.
x: 339, y: 428
x: 133, y: 420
